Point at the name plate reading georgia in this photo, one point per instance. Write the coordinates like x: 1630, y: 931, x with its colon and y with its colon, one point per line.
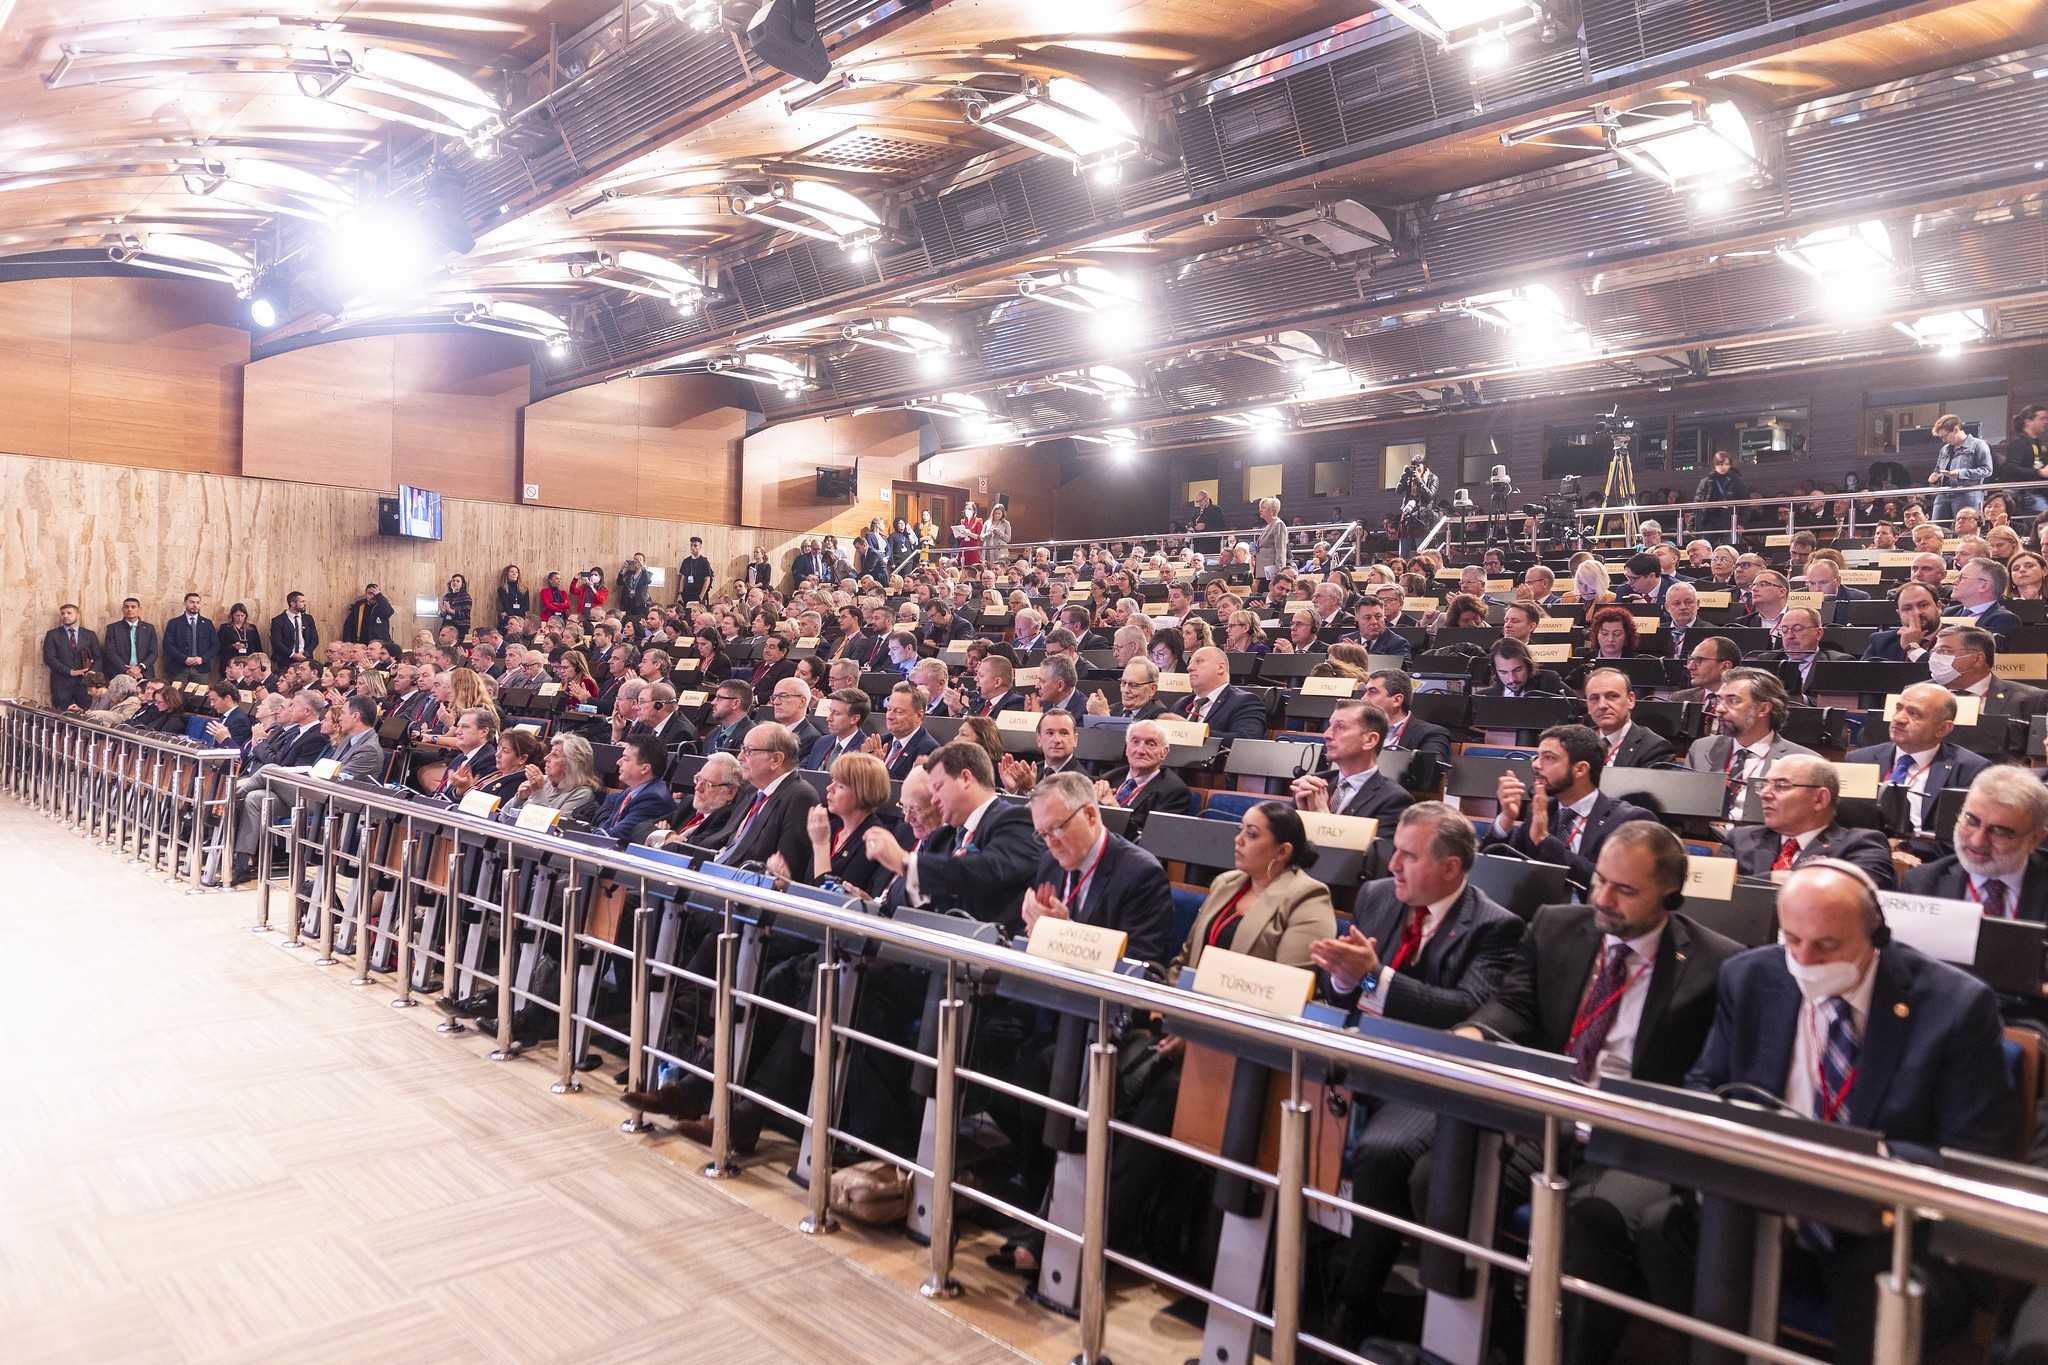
x: 1189, y: 733
x: 1089, y: 947
x: 327, y: 768
x: 1017, y: 720
x: 1967, y: 708
x: 1716, y: 600
x: 1809, y: 600
x: 1253, y: 982
x: 1710, y: 879
x: 537, y: 818
x: 2023, y: 667
x: 1340, y: 831
x: 478, y: 803
x: 1173, y: 682
x: 1550, y: 654
x: 1328, y: 687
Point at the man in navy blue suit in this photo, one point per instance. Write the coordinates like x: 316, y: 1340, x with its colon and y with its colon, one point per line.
x: 629, y: 814
x: 1920, y: 757
x: 1919, y: 623
x: 1390, y: 689
x: 1562, y: 816
x: 983, y: 858
x: 1374, y: 632
x: 1353, y: 784
x: 1979, y: 585
x: 1847, y: 1026
x: 190, y: 642
x: 1228, y: 711
x: 907, y: 740
x: 845, y: 711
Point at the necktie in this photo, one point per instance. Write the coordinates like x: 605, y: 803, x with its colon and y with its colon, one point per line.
x: 1597, y: 1015
x: 1411, y: 937
x: 133, y: 662
x: 1788, y: 849
x: 1573, y: 823
x: 748, y: 819
x: 74, y: 637
x: 1738, y: 768
x: 1837, y: 1062
x: 1347, y: 792
x: 1123, y: 793
x: 1901, y: 769
x: 1994, y: 900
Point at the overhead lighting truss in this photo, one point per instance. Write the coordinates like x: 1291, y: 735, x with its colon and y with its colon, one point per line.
x: 770, y: 371
x: 643, y: 272
x: 518, y: 320
x: 817, y: 210
x: 1064, y: 118
x: 1693, y: 144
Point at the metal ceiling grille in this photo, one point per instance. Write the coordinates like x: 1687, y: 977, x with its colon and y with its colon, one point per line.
x: 1622, y: 31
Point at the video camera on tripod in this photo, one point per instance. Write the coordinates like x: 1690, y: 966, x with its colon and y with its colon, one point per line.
x: 1554, y: 515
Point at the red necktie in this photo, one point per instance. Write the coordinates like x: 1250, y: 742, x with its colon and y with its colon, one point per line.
x: 1789, y: 849
x: 1411, y: 937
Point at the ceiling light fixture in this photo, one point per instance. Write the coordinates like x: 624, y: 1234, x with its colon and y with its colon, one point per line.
x: 1948, y: 333
x: 815, y: 209
x: 1482, y: 26
x: 1853, y: 264
x: 275, y: 186
x: 1065, y: 118
x: 404, y: 88
x: 175, y: 253
x: 905, y: 336
x: 1114, y: 386
x: 643, y: 272
x: 770, y: 371
x: 1541, y: 328
x: 1701, y: 148
x: 517, y: 320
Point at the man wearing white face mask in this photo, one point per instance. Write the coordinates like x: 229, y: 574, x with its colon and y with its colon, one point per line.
x: 1846, y: 1026
x: 1961, y: 661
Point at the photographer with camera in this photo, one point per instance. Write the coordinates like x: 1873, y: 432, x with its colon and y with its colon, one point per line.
x: 587, y: 591
x: 635, y: 581
x: 1418, y: 502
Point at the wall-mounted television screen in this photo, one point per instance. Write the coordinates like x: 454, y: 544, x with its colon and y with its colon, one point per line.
x: 419, y: 513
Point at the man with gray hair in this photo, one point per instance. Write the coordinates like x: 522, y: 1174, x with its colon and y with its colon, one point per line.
x: 1425, y: 947
x: 1962, y: 660
x: 1057, y: 681
x: 295, y: 743
x: 1999, y: 862
x: 1130, y: 642
x: 1799, y: 798
x: 626, y: 708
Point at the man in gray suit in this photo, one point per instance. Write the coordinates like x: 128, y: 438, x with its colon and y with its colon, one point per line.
x: 294, y: 743
x: 1753, y: 708
x: 360, y: 755
x: 1799, y: 825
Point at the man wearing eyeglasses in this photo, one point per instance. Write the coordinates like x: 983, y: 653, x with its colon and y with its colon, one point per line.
x: 707, y: 821
x: 1139, y: 690
x: 1799, y: 825
x: 1706, y: 665
x: 1999, y: 863
x: 1799, y: 632
x: 775, y: 815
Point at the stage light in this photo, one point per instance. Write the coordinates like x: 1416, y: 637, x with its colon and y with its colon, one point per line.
x: 518, y: 320
x: 905, y: 336
x: 399, y: 86
x: 1947, y: 333
x: 1852, y: 265
x: 263, y: 313
x: 1541, y: 329
x: 784, y: 34
x: 1467, y: 23
x: 277, y: 186
x: 1065, y: 118
x: 1703, y: 148
x: 174, y: 253
x: 1112, y: 385
x: 770, y: 371
x: 815, y: 209
x: 649, y: 274
x: 380, y: 251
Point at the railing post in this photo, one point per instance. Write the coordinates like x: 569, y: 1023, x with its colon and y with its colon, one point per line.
x: 451, y: 931
x: 230, y: 816
x: 945, y: 1138
x: 401, y: 921
x: 1292, y: 1172
x: 1900, y: 1301
x: 565, y: 997
x: 1543, y: 1342
x: 329, y: 827
x: 636, y: 1031
x: 295, y: 871
x: 720, y: 1166
x: 1102, y: 1061
x: 508, y: 890
x: 825, y: 1014
x: 365, y: 844
x: 266, y: 805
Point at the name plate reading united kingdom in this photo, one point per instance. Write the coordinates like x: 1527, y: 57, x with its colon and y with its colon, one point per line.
x: 1340, y: 831
x: 537, y: 818
x: 1253, y: 982
x: 1171, y: 682
x: 1017, y: 720
x: 1189, y: 733
x: 1967, y: 709
x: 479, y: 803
x: 1710, y: 879
x: 1328, y: 687
x: 1089, y: 947
x: 327, y: 768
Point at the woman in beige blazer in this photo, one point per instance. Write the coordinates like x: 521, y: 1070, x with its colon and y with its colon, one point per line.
x: 1269, y: 906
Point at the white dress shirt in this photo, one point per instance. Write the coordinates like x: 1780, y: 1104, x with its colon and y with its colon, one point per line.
x: 1618, y: 1049
x: 1374, y: 1001
x: 972, y: 823
x: 1810, y: 1040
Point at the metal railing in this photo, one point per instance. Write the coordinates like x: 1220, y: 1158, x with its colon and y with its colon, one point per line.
x: 41, y: 757
x: 1343, y: 542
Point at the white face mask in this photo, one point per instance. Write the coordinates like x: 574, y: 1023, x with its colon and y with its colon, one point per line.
x: 1820, y: 980
x: 1942, y: 668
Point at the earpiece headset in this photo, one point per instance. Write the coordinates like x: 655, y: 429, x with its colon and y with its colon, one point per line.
x: 1873, y: 909
x: 1675, y: 900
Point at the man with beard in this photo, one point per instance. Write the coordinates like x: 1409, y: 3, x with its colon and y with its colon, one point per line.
x: 1998, y: 863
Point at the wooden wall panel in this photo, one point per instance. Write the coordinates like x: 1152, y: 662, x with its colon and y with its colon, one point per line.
x: 660, y: 446
x: 90, y: 533
x: 780, y: 470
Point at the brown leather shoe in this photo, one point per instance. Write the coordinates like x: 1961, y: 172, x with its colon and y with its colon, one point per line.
x: 671, y: 1101
x: 745, y: 1137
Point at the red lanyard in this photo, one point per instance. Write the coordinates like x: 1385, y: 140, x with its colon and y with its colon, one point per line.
x: 1593, y: 1011
x: 1831, y: 1101
x: 1074, y: 886
x: 1226, y: 918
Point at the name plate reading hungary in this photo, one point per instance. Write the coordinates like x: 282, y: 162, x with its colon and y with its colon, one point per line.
x: 478, y: 803
x: 1255, y: 983
x: 1710, y: 879
x: 1328, y: 687
x: 1340, y: 831
x: 1089, y: 947
x: 1550, y: 654
x: 1171, y: 682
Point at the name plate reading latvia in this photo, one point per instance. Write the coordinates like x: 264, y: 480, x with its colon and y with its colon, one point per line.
x: 1017, y: 720
x: 1188, y: 733
x: 1328, y: 687
x: 1173, y: 682
x: 1089, y: 947
x: 479, y: 803
x: 1711, y: 879
x: 1967, y: 709
x: 1340, y: 831
x: 1253, y: 982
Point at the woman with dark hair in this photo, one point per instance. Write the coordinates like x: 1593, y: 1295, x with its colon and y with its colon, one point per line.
x: 573, y: 672
x: 1166, y: 651
x: 1267, y: 906
x: 512, y: 597
x: 810, y: 671
x: 1464, y: 612
x: 169, y: 717
x: 554, y: 599
x: 456, y: 605
x: 237, y: 636
x: 1613, y: 632
x: 982, y: 730
x: 714, y: 665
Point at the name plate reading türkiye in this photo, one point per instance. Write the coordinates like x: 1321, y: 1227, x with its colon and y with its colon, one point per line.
x: 1710, y: 879
x: 1089, y: 947
x: 1253, y: 982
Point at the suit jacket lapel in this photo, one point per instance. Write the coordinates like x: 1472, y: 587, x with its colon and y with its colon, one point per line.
x: 1671, y: 950
x: 1775, y: 1032
x: 1260, y: 912
x: 1884, y: 1041
x: 1447, y: 933
x: 1577, y: 948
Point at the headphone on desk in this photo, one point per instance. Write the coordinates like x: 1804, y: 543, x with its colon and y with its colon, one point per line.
x: 1873, y: 909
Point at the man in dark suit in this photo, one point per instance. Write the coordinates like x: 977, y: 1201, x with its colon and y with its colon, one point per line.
x: 1799, y: 631
x: 1566, y: 817
x: 1919, y: 623
x: 775, y: 815
x: 292, y: 630
x: 845, y: 711
x: 1094, y: 877
x: 660, y: 718
x: 1625, y: 987
x: 367, y: 618
x: 774, y: 667
x: 2007, y: 872
x: 850, y: 644
x: 295, y: 742
x: 1849, y: 1026
x: 1375, y: 633
x: 476, y: 753
x: 1647, y: 583
x: 982, y: 861
x: 714, y: 809
x: 1799, y: 799
x: 1058, y: 684
x: 1824, y: 576
x: 1967, y: 654
x: 190, y: 642
x: 907, y: 740
x: 1390, y: 690
x: 732, y: 710
x: 1920, y: 761
x: 1979, y: 585
x: 630, y: 814
x: 1228, y: 711
x: 792, y: 701
x: 231, y: 729
x: 129, y: 644
x: 1611, y: 706
x: 1425, y: 947
x: 1515, y: 673
x: 807, y: 564
x: 1353, y: 784
x: 995, y: 678
x: 70, y: 651
x: 1144, y: 784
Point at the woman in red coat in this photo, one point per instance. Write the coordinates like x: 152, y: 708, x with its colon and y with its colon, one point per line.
x: 554, y: 599
x: 588, y: 593
x: 971, y: 522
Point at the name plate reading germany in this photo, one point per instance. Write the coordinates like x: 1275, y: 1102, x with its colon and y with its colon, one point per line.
x: 1550, y: 654
x: 327, y: 768
x: 1859, y: 780
x: 1713, y: 601
x: 537, y: 818
x: 478, y: 803
x: 1255, y: 983
x: 1190, y: 733
x: 1328, y: 687
x: 1558, y: 625
x: 1710, y: 879
x: 1171, y: 682
x: 1967, y: 709
x: 1017, y: 720
x: 1089, y: 947
x: 1340, y: 831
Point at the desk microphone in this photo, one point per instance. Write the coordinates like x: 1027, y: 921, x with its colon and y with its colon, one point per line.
x: 1724, y: 1092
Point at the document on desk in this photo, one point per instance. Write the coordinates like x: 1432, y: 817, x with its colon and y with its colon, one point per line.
x: 1943, y: 929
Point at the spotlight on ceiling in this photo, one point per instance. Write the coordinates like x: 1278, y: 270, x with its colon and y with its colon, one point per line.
x: 405, y: 88
x: 1481, y: 27
x: 978, y: 421
x: 1114, y: 386
x: 904, y: 336
x: 815, y: 209
x: 787, y: 376
x: 1542, y: 330
x: 517, y: 320
x: 1068, y: 119
x: 381, y: 251
x: 174, y: 253
x: 1699, y: 148
x: 1948, y: 333
x: 1264, y: 425
x: 643, y: 272
x: 275, y: 186
x: 1316, y: 364
x: 1853, y: 264
x: 784, y: 34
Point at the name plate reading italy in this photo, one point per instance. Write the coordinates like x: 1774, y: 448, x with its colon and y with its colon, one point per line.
x: 1328, y: 687
x: 1090, y: 947
x: 1017, y: 720
x: 1173, y: 682
x: 1711, y: 879
x: 1189, y: 733
x: 1967, y: 708
x: 1255, y: 983
x: 1340, y: 831
x: 479, y: 803
x: 537, y: 818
